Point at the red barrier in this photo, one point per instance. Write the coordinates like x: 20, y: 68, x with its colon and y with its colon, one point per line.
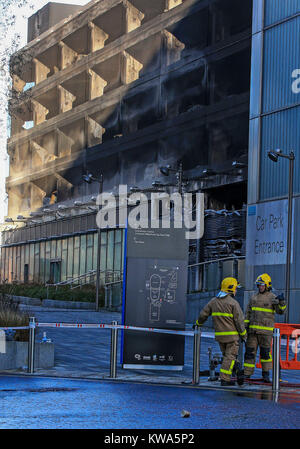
x: 289, y: 330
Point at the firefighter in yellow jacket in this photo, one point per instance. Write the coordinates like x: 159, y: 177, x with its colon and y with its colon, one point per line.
x: 259, y: 321
x: 228, y: 321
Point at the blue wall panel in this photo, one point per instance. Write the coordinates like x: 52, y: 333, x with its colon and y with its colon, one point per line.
x: 279, y: 130
x: 277, y: 10
x: 281, y: 58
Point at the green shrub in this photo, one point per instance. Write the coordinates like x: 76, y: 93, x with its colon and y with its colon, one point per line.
x: 12, y: 316
x: 63, y: 293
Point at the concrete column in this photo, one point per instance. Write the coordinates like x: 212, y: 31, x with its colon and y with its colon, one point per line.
x: 172, y: 48
x: 16, y: 125
x: 130, y: 68
x: 18, y: 83
x: 40, y: 71
x: 96, y: 85
x: 170, y: 4
x: 37, y: 196
x: 97, y: 37
x: 133, y: 17
x: 66, y: 100
x: 62, y: 183
x: 42, y: 153
x: 64, y: 144
x: 67, y: 56
x: 94, y: 132
x: 39, y: 112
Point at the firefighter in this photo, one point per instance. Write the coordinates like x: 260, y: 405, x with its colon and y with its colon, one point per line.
x: 228, y: 321
x: 259, y: 322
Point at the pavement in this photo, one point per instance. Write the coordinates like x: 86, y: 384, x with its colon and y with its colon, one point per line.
x: 85, y: 353
x: 82, y: 364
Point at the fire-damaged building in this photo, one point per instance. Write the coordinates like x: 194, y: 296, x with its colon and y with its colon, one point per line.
x: 117, y: 89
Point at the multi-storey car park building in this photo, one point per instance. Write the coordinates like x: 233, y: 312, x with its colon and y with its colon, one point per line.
x: 119, y: 88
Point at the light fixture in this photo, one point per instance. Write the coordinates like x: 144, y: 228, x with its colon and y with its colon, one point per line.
x: 237, y: 164
x: 273, y: 155
x: 165, y: 170
x: 209, y: 172
x: 88, y: 178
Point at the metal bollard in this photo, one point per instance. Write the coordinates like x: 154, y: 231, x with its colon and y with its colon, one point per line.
x: 196, y: 355
x: 113, y: 351
x: 31, y: 345
x: 276, y: 359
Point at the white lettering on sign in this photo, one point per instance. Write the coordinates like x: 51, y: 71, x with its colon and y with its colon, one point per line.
x: 267, y: 233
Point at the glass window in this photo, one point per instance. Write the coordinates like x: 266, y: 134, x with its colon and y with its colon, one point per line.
x: 89, y: 252
x: 47, y: 261
x: 42, y: 262
x: 22, y: 263
x: 83, y: 254
x: 64, y: 259
x: 95, y: 249
x: 70, y: 257
x: 76, y: 256
x: 31, y: 263
x: 110, y: 251
x: 36, y: 277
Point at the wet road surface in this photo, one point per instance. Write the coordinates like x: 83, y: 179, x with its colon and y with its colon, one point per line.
x: 47, y: 403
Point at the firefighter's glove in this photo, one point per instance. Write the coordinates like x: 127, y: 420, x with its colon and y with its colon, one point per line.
x: 196, y: 325
x: 280, y: 298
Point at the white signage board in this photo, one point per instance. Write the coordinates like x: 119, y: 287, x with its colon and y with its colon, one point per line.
x: 267, y: 225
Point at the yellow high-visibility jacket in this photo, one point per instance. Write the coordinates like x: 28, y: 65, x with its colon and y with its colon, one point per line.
x: 228, y: 318
x: 260, y: 313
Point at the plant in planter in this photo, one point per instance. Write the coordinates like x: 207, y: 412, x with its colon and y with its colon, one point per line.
x: 12, y: 316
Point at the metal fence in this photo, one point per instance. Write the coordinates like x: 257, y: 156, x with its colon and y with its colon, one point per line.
x: 207, y: 276
x: 115, y: 328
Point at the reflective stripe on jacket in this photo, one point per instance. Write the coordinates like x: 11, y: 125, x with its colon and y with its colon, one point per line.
x: 228, y: 318
x: 260, y: 313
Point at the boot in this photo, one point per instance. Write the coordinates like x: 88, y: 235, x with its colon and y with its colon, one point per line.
x: 227, y: 383
x: 240, y: 377
x: 266, y: 378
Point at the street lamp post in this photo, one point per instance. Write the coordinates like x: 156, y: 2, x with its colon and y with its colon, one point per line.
x: 89, y: 179
x: 273, y: 155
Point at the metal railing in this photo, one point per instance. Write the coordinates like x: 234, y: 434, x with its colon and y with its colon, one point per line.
x: 115, y: 327
x: 208, y: 275
x: 107, y: 276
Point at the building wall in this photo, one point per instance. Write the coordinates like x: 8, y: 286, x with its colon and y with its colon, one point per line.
x: 274, y: 123
x: 125, y: 87
x: 122, y: 88
x: 76, y: 254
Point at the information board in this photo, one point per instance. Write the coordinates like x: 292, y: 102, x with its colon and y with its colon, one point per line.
x: 155, y: 296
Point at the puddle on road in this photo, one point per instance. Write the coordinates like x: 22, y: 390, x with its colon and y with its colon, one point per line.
x: 39, y: 390
x: 273, y: 396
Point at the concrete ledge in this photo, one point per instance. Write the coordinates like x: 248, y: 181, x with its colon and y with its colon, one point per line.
x: 52, y: 303
x: 16, y: 355
x: 68, y: 304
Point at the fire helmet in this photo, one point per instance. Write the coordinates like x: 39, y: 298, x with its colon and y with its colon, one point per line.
x: 229, y: 285
x: 264, y: 279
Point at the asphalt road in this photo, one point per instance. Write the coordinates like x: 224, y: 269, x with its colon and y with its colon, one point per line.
x: 46, y: 403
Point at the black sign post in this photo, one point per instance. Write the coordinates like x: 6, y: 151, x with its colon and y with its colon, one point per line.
x: 154, y: 296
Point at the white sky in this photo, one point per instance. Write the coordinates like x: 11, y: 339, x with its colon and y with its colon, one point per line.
x: 7, y: 37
